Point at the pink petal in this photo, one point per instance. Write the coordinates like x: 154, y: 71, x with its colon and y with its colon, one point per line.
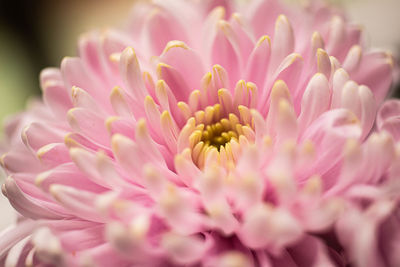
x: 160, y: 28
x: 353, y: 58
x: 56, y: 97
x: 37, y: 135
x: 78, y: 140
x: 12, y: 161
x: 13, y: 234
x: 289, y: 71
x: 175, y: 81
x: 121, y: 103
x: 316, y: 100
x: 262, y: 15
x: 241, y: 28
x: 50, y: 74
x: 257, y: 65
x: 131, y: 74
x: 225, y: 50
x: 168, y: 101
x: 147, y: 145
x: 75, y: 74
x: 329, y: 133
x: 117, y: 125
x: 129, y: 156
x: 340, y: 78
x: 282, y: 42
x: 375, y: 71
x: 323, y: 63
x: 53, y: 154
x: 388, y: 118
x: 89, y: 53
x: 186, y: 61
x: 80, y: 239
x: 279, y: 92
x: 67, y: 174
x: 278, y: 227
x: 89, y: 124
x: 78, y: 202
x: 25, y: 204
x: 185, y: 249
x: 82, y: 99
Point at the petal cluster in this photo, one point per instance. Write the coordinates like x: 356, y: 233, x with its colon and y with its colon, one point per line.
x: 210, y: 133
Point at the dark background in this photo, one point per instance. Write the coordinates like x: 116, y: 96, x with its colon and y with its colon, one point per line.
x: 20, y: 17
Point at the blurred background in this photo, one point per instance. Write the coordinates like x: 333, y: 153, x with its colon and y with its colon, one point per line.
x: 38, y: 34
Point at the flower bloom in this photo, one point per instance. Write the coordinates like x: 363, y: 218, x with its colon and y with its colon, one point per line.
x: 209, y: 133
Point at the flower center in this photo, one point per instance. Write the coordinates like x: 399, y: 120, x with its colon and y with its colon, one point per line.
x: 213, y: 135
x: 218, y: 134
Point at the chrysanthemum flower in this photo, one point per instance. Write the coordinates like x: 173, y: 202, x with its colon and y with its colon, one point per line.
x: 209, y: 133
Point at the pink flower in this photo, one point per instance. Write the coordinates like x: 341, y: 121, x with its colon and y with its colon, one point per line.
x: 230, y: 135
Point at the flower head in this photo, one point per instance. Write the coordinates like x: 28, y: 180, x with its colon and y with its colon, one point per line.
x: 210, y: 133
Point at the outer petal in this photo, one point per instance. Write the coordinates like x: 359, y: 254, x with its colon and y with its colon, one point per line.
x: 388, y: 118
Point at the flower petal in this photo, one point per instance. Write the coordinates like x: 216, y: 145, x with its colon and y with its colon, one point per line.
x: 315, y: 101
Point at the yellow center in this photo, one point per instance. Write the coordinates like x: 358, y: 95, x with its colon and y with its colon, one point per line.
x: 218, y: 135
x: 212, y: 130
